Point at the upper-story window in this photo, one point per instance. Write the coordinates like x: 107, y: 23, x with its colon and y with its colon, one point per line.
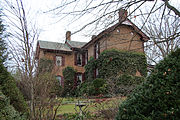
x: 86, y: 57
x: 79, y: 59
x: 59, y: 61
x: 96, y: 50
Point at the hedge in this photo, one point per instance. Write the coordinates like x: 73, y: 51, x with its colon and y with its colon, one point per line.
x: 157, y: 98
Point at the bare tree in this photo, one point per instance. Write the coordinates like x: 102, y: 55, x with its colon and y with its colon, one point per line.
x: 22, y: 38
x: 164, y: 37
x: 164, y: 33
x: 21, y: 42
x: 101, y: 11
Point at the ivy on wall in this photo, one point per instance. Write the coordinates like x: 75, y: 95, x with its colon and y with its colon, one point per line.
x: 45, y: 65
x: 118, y: 69
x: 68, y: 74
x: 114, y: 62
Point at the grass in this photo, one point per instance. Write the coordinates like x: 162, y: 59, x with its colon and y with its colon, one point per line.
x: 68, y: 104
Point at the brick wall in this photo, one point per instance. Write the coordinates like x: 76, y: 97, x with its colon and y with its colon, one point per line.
x: 69, y: 61
x: 122, y: 38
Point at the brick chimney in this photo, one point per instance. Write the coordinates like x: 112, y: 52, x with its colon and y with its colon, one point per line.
x: 68, y: 35
x: 122, y: 15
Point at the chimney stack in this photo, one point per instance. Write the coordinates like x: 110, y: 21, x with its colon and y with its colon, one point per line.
x: 68, y: 35
x: 122, y: 15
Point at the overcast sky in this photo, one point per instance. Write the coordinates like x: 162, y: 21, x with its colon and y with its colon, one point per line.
x: 51, y: 29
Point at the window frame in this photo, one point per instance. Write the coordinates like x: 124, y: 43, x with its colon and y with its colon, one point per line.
x: 77, y: 78
x: 79, y: 55
x: 61, y: 62
x: 97, y: 50
x: 59, y: 80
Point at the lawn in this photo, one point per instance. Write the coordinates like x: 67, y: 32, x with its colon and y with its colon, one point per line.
x: 92, y: 105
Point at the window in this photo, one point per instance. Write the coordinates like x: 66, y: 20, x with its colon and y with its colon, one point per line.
x: 97, y: 72
x: 86, y: 57
x: 79, y: 78
x: 96, y: 50
x: 79, y: 59
x: 59, y: 78
x: 58, y: 60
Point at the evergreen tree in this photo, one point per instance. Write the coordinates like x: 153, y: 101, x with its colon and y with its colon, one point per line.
x: 7, y: 111
x: 159, y: 97
x: 7, y: 83
x: 3, y: 49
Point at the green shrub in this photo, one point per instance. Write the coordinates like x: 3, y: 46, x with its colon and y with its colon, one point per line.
x: 7, y: 111
x: 123, y: 85
x: 157, y: 98
x: 95, y: 87
x: 85, y: 89
x: 9, y: 89
x: 69, y: 85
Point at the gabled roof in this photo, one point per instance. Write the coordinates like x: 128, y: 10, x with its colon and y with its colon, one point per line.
x: 112, y: 28
x: 53, y: 46
x: 75, y: 44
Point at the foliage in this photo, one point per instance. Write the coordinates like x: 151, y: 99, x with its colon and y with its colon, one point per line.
x: 69, y: 85
x: 46, y: 86
x: 115, y: 62
x: 118, y: 69
x: 76, y: 116
x: 7, y: 111
x: 123, y: 84
x: 9, y: 89
x: 95, y: 87
x: 3, y: 49
x: 45, y: 65
x: 158, y: 97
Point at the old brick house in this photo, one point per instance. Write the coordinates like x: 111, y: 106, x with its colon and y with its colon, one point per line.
x: 124, y: 35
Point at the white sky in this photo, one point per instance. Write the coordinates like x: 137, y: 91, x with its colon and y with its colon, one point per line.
x: 47, y: 23
x: 51, y: 29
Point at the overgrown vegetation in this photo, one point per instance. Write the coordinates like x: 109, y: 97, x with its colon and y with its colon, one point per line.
x: 115, y: 62
x: 7, y: 111
x: 69, y: 85
x: 7, y: 83
x: 117, y: 71
x: 95, y: 87
x: 9, y: 88
x: 3, y: 48
x: 158, y: 97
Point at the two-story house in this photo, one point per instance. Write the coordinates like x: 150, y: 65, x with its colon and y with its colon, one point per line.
x: 63, y: 55
x: 124, y: 35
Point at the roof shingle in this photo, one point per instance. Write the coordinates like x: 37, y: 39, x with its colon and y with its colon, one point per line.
x: 53, y: 46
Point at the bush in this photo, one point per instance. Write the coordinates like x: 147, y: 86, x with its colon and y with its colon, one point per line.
x: 157, y: 98
x: 9, y: 89
x: 69, y: 85
x: 7, y: 112
x: 95, y: 87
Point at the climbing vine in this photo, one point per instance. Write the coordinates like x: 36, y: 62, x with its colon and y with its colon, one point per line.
x: 69, y: 85
x: 118, y: 69
x: 45, y: 65
x: 115, y: 62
